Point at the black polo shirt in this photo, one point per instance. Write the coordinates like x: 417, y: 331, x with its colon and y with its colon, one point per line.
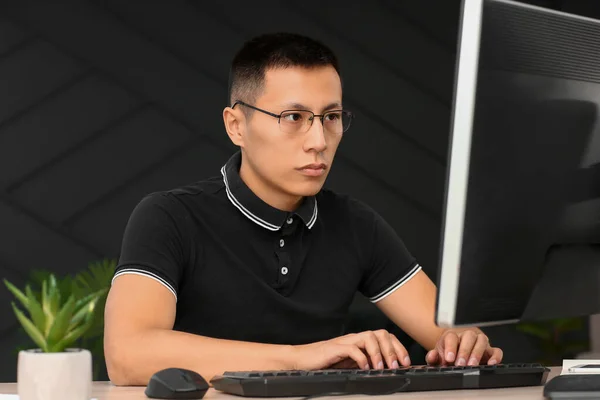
x: 243, y: 270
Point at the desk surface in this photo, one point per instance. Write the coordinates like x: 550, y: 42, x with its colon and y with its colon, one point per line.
x: 107, y: 391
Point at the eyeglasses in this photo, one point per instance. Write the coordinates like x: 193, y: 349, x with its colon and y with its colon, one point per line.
x: 300, y: 121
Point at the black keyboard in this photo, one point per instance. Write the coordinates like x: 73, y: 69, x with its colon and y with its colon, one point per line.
x: 372, y: 382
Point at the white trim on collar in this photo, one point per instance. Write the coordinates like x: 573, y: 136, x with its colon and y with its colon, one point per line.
x: 243, y: 209
x: 254, y: 218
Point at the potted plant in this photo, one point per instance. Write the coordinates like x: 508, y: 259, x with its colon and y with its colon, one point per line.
x: 54, y: 370
x: 96, y: 277
x: 558, y: 338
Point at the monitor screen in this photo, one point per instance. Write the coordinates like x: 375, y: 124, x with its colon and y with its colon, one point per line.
x: 522, y: 205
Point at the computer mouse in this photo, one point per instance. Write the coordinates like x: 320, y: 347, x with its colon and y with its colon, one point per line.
x: 176, y: 383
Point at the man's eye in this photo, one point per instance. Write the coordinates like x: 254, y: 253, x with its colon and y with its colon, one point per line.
x: 293, y: 117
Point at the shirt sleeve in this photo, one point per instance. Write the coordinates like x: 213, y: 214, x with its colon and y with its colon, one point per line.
x: 391, y: 264
x: 152, y: 242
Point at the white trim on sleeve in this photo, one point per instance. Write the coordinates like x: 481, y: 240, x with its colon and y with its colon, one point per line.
x: 137, y: 271
x: 396, y: 285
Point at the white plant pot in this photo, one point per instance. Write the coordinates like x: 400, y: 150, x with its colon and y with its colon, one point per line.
x: 54, y: 376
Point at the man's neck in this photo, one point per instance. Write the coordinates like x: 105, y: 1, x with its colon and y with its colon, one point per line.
x: 267, y: 193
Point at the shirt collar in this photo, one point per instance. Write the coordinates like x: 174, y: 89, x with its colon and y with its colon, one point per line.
x: 254, y: 208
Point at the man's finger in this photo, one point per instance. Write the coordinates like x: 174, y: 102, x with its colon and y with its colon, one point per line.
x: 496, y: 355
x: 387, y: 349
x: 492, y: 353
x: 467, y: 342
x: 401, y: 352
x: 354, y: 352
x: 432, y: 357
x: 481, y: 344
x: 449, y: 348
x: 370, y: 343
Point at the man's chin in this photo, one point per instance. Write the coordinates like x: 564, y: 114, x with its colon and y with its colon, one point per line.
x: 307, y: 189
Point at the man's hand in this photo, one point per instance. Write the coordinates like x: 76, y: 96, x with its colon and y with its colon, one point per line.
x: 379, y: 349
x: 468, y: 347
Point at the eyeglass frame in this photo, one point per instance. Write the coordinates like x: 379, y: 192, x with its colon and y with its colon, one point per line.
x: 350, y: 114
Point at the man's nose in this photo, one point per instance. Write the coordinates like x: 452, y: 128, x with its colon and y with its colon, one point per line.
x: 315, y: 138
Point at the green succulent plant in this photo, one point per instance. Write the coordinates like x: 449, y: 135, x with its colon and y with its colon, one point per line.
x: 558, y: 338
x: 54, y: 324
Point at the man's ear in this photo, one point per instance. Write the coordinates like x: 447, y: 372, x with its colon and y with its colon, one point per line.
x: 235, y: 125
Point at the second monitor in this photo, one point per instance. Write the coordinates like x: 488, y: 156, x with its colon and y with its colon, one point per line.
x: 521, y: 225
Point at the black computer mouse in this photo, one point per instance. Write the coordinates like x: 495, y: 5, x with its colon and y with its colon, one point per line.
x: 176, y: 383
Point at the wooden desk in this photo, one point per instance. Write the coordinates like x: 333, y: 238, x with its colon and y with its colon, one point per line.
x: 106, y: 391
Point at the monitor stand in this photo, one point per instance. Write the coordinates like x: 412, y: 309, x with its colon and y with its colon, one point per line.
x: 569, y: 285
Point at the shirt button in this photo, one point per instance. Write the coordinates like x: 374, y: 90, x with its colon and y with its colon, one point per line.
x: 281, y: 243
x: 290, y: 220
x: 284, y: 270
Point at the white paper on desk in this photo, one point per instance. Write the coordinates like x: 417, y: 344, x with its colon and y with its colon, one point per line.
x: 566, y: 365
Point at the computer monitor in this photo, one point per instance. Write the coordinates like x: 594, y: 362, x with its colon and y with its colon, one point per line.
x: 521, y: 222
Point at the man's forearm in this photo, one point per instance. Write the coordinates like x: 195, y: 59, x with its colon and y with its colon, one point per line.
x: 132, y: 361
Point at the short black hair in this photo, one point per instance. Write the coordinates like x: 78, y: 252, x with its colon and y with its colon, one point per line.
x: 273, y: 50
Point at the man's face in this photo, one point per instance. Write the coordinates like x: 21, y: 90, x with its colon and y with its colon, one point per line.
x: 294, y: 162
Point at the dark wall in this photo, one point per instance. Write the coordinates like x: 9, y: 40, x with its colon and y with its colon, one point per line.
x: 102, y: 102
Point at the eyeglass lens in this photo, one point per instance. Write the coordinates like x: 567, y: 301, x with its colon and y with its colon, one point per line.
x: 300, y: 121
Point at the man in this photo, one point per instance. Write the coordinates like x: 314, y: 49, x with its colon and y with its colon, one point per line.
x: 255, y: 268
